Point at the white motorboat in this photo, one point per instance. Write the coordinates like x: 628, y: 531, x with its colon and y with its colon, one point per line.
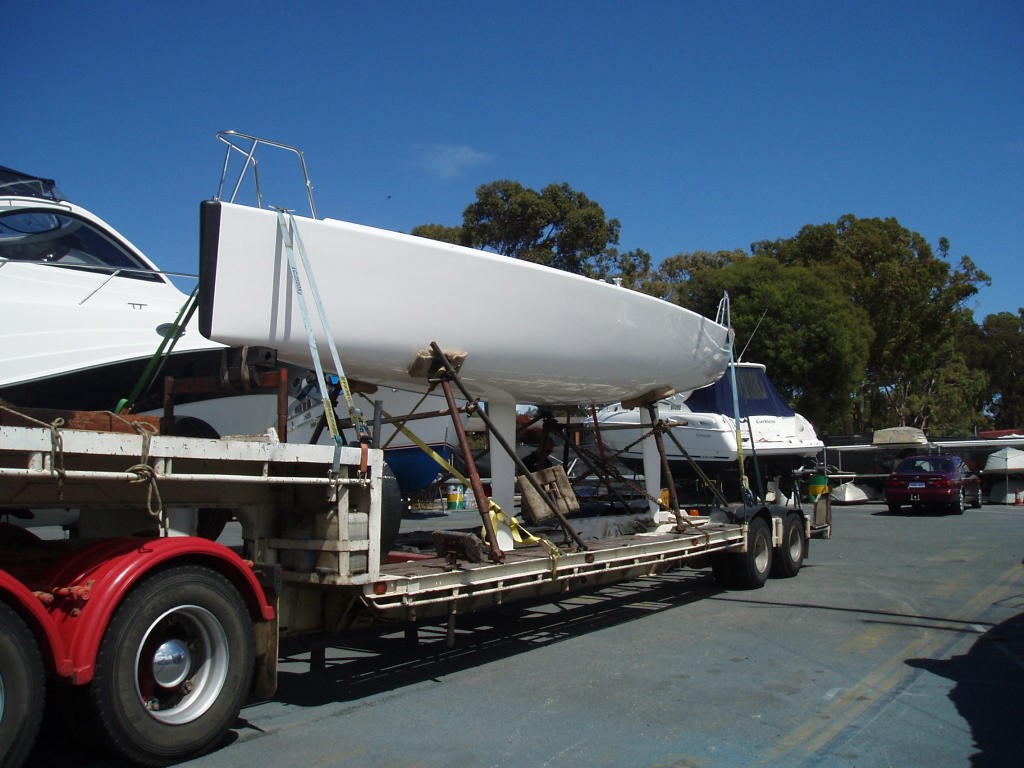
x: 704, y: 424
x: 81, y: 309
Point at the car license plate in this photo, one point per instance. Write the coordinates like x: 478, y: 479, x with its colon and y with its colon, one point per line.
x: 915, y: 485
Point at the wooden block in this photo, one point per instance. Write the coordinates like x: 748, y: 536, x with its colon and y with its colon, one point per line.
x: 556, y: 486
x: 96, y: 421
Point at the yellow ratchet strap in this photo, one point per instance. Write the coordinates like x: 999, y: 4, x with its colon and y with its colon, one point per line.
x: 520, y: 534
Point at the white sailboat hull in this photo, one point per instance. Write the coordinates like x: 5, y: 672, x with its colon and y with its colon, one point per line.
x: 532, y: 334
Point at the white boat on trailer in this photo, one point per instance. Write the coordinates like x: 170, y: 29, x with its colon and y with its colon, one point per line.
x: 623, y: 344
x: 704, y: 424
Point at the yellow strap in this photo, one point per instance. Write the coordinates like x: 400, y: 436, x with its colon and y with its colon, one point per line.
x: 427, y: 449
x: 520, y: 534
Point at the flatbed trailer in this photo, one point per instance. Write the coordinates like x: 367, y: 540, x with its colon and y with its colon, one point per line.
x: 169, y: 633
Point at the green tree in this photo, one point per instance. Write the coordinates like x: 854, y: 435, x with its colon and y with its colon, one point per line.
x: 998, y: 348
x: 440, y: 232
x: 558, y: 226
x: 796, y: 320
x: 915, y: 301
x: 632, y: 269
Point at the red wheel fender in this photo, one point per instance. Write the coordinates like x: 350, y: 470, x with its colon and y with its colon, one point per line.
x: 24, y: 601
x: 90, y: 585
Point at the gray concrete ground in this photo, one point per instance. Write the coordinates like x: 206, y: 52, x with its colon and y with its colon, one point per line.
x: 900, y: 643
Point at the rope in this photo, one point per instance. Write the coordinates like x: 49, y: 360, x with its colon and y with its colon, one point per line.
x: 144, y: 473
x: 56, y: 445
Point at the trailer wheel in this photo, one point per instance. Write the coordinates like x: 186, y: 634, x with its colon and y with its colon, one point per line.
x: 174, y: 666
x: 22, y: 688
x: 751, y: 568
x: 788, y: 557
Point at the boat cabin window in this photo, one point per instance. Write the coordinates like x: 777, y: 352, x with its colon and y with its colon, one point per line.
x: 58, y: 239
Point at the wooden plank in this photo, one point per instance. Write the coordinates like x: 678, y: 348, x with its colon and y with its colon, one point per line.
x: 96, y: 421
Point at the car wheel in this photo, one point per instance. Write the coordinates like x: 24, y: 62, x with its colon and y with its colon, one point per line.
x: 893, y: 508
x: 960, y: 504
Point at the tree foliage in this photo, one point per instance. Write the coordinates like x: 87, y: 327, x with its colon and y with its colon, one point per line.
x: 915, y: 302
x: 558, y: 226
x: 796, y: 321
x: 998, y: 349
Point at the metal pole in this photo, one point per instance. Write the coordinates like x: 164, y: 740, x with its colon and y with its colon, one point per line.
x: 497, y: 555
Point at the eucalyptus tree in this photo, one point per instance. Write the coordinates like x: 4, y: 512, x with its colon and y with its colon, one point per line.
x: 558, y: 226
x: 916, y: 302
x: 795, y: 320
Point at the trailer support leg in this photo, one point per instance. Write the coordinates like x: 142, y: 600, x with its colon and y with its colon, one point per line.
x: 666, y: 472
x: 497, y: 556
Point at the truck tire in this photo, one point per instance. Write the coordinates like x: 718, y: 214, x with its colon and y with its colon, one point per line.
x: 22, y: 689
x: 750, y: 569
x: 788, y: 557
x: 174, y: 666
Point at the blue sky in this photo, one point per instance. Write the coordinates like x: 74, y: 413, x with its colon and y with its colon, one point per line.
x: 699, y: 125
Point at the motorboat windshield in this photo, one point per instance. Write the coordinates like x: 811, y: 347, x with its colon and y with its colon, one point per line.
x: 52, y: 237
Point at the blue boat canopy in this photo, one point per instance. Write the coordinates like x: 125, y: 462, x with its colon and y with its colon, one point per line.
x: 757, y: 395
x: 16, y: 183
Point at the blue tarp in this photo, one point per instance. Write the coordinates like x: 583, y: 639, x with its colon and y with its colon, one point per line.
x: 757, y: 395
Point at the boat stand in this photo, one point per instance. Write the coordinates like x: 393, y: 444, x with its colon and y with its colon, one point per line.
x: 443, y: 368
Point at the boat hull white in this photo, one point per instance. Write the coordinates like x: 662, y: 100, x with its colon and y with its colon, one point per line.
x: 59, y: 316
x: 532, y: 334
x: 709, y: 437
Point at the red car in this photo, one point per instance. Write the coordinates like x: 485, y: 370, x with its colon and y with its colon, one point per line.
x: 933, y: 480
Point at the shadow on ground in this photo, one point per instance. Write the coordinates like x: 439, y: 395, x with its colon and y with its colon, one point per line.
x: 989, y: 692
x: 362, y: 663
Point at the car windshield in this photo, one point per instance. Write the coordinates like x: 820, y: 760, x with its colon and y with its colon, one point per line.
x: 59, y: 239
x: 926, y: 464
